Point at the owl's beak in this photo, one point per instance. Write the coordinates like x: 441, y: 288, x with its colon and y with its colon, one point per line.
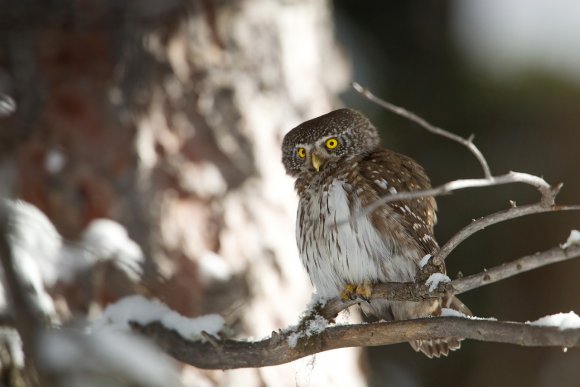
x: 316, y: 162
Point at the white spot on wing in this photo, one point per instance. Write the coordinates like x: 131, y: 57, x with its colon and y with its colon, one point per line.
x: 382, y: 183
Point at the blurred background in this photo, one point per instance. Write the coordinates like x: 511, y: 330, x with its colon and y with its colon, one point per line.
x: 167, y: 118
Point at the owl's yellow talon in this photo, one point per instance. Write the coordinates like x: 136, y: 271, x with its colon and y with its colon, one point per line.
x: 365, y: 290
x: 349, y: 292
x: 352, y: 292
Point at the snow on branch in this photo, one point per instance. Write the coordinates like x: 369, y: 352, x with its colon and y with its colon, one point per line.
x: 285, y: 346
x: 228, y: 354
x: 303, y: 340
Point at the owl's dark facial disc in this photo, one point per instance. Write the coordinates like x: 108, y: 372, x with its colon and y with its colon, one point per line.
x: 327, y: 140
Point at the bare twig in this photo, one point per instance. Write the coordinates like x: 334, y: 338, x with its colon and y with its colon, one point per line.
x: 547, y: 192
x: 467, y: 142
x: 240, y: 354
x: 497, y: 217
x: 527, y: 263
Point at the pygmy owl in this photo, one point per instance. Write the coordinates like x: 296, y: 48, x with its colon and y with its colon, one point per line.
x: 341, y: 168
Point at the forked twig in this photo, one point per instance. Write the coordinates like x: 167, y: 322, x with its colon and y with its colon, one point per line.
x: 546, y: 204
x: 467, y: 142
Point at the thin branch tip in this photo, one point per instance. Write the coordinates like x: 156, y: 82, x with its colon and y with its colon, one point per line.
x: 427, y: 126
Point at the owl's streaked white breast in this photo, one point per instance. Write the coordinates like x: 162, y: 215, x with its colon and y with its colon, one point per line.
x: 342, y: 252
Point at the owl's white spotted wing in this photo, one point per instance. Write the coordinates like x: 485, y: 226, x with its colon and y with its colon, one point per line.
x: 384, y: 173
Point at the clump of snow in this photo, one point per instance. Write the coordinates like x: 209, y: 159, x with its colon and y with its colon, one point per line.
x: 425, y: 260
x: 213, y: 267
x: 293, y: 339
x: 35, y: 245
x: 316, y: 301
x: 314, y: 327
x: 105, y: 239
x: 34, y: 237
x: 144, y: 311
x: 563, y: 321
x: 435, y: 279
x: 448, y: 312
x: 573, y: 239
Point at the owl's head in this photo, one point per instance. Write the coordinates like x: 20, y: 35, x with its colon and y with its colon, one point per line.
x: 328, y: 140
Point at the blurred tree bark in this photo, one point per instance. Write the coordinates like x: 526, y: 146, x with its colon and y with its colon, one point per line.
x: 168, y: 116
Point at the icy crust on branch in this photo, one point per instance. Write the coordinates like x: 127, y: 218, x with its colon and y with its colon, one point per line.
x: 573, y: 239
x: 425, y: 260
x: 562, y: 321
x: 435, y: 279
x: 313, y: 327
x: 143, y: 311
x: 448, y: 312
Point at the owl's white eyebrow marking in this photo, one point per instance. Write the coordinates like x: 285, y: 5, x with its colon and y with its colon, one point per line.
x: 305, y: 146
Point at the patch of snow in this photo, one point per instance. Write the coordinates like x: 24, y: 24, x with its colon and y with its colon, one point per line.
x: 293, y: 339
x: 393, y: 190
x: 191, y: 328
x: 425, y: 260
x: 143, y: 311
x: 212, y: 267
x: 573, y: 239
x: 105, y: 239
x: 448, y: 312
x: 563, y: 321
x: 435, y: 279
x: 314, y: 327
x: 33, y: 235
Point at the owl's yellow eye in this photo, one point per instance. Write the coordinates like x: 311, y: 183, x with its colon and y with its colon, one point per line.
x: 331, y: 143
x: 301, y: 153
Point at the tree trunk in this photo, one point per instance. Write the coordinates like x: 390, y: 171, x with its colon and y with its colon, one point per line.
x: 168, y: 117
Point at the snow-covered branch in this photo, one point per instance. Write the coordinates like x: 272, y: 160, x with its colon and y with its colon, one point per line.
x: 228, y: 354
x: 414, y: 291
x: 285, y: 346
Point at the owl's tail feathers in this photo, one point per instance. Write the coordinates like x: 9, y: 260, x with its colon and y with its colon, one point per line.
x: 436, y: 347
x: 441, y: 347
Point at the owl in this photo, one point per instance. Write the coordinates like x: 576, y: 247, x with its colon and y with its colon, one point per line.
x: 341, y: 168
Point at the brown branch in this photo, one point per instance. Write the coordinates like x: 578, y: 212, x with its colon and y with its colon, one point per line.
x: 227, y: 354
x: 521, y: 265
x: 275, y: 350
x: 467, y: 142
x: 412, y: 291
x: 497, y: 217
